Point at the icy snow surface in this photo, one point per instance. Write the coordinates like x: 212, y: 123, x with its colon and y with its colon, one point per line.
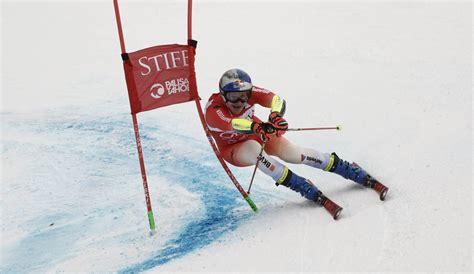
x: 397, y: 76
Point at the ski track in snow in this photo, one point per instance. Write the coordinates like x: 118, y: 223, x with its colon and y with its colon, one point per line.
x: 87, y: 151
x: 218, y: 220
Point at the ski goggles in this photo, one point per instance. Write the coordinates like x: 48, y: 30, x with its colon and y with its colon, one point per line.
x: 238, y: 96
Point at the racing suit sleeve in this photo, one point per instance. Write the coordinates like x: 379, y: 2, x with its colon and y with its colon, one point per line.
x: 268, y: 99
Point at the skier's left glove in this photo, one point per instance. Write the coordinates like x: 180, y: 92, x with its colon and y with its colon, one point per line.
x: 278, y: 122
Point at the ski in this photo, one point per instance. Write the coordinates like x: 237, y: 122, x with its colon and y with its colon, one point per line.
x: 333, y: 208
x: 380, y: 188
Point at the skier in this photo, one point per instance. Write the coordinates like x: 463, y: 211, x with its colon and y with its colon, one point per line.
x: 240, y: 135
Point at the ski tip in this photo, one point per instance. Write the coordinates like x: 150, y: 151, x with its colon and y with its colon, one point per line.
x: 383, y: 194
x: 337, y: 213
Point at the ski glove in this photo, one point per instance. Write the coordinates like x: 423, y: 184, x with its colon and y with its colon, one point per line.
x: 278, y: 122
x: 264, y: 130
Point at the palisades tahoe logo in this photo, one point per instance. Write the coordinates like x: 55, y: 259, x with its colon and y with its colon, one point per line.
x: 150, y: 65
x: 172, y: 87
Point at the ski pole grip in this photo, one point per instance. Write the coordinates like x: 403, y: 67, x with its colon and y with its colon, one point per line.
x: 251, y: 203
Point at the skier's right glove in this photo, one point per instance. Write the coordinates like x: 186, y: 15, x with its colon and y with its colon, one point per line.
x: 264, y: 130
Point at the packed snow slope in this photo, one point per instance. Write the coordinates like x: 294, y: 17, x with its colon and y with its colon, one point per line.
x: 397, y: 76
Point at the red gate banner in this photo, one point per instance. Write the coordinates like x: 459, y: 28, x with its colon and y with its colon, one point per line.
x: 160, y: 76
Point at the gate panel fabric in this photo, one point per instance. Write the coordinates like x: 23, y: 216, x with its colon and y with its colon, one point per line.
x: 160, y: 76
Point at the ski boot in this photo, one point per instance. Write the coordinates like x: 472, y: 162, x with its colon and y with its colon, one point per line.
x: 308, y: 190
x: 355, y: 173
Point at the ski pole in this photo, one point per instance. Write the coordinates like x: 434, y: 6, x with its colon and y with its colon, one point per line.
x: 259, y: 157
x: 315, y: 128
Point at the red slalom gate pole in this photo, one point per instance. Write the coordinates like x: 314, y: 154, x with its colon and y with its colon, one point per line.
x: 206, y: 129
x: 221, y: 160
x: 119, y: 26
x: 151, y: 219
x: 190, y: 20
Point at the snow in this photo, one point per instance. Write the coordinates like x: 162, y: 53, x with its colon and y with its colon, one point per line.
x: 396, y: 75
